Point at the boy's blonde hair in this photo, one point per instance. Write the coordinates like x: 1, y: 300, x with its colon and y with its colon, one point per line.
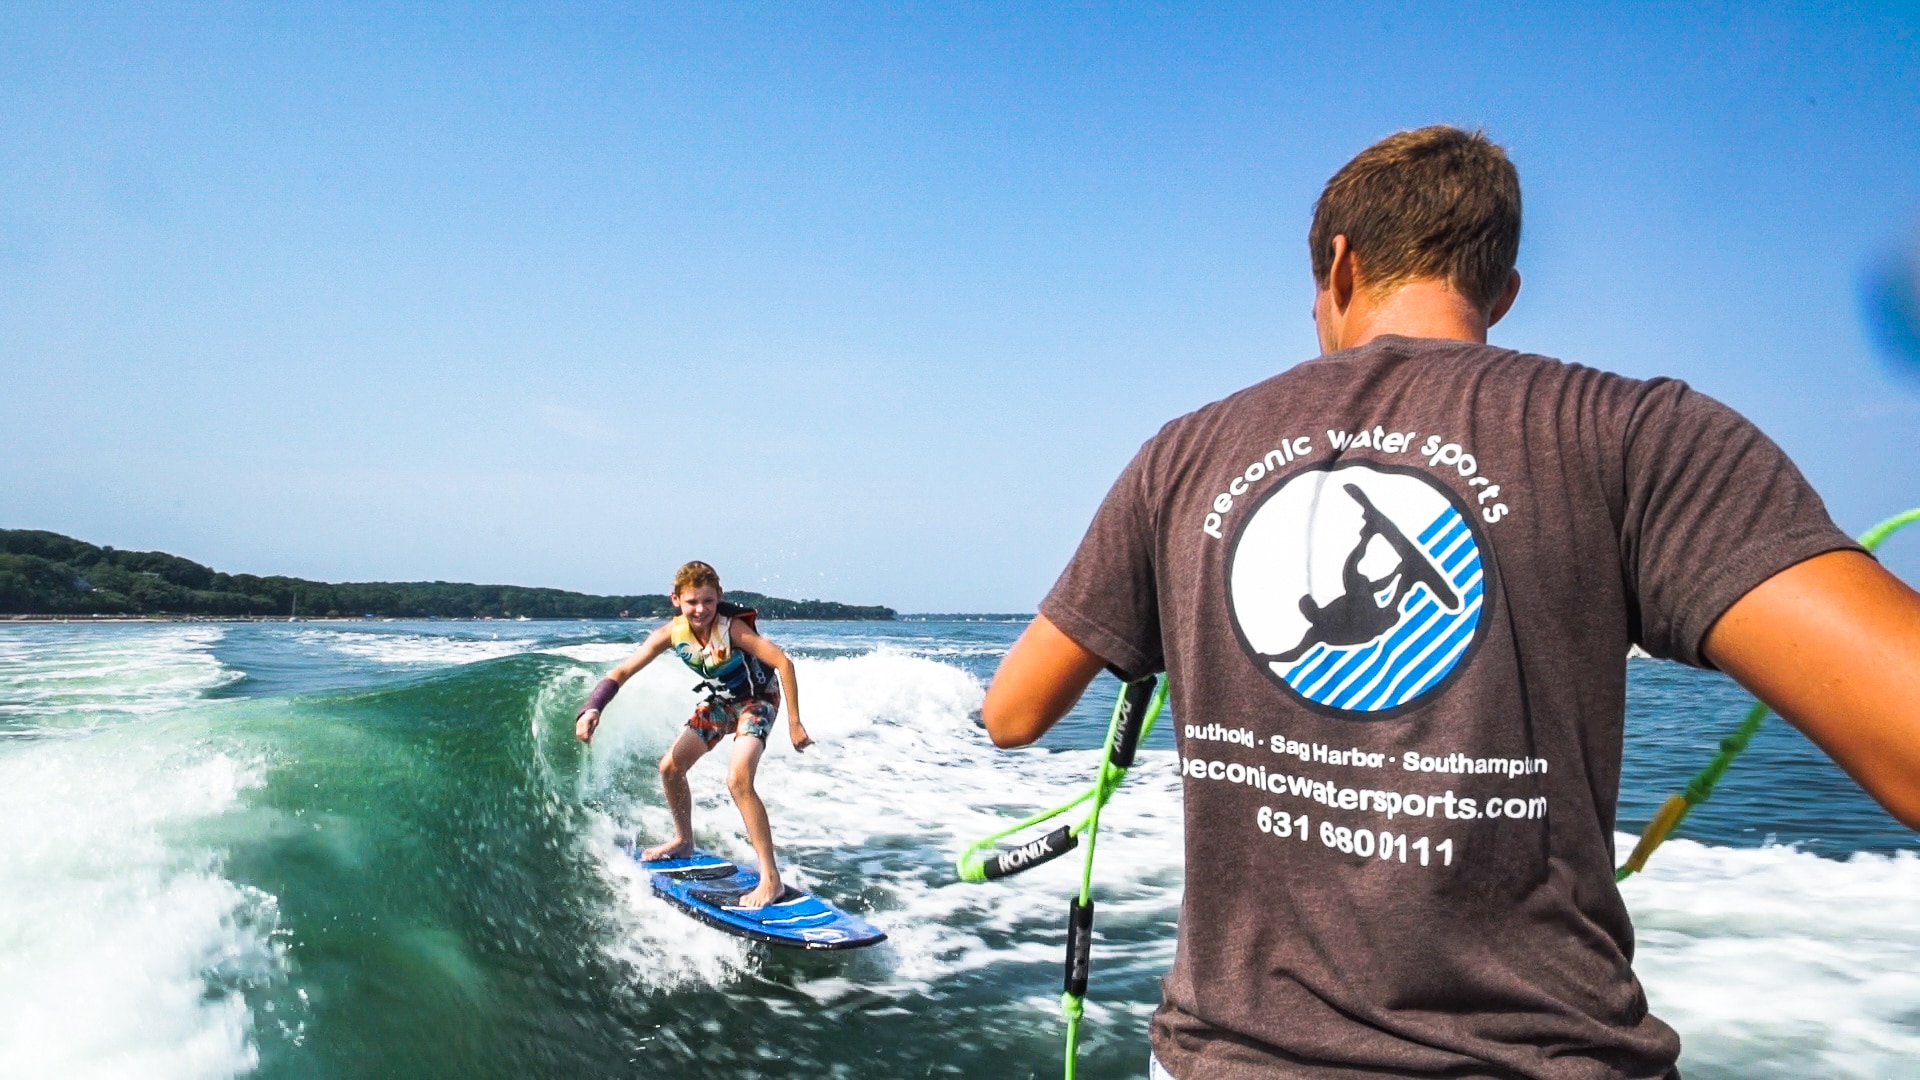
x: 695, y: 574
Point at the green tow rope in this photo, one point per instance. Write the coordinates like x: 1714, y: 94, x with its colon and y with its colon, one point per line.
x: 1700, y: 788
x: 1134, y: 713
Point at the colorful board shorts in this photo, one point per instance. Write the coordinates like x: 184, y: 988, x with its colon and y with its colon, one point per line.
x: 714, y: 720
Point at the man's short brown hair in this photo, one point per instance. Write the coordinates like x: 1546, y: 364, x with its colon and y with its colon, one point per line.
x: 1436, y: 202
x: 695, y: 574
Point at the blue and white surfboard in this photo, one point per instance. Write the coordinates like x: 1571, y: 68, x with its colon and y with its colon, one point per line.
x: 709, y: 888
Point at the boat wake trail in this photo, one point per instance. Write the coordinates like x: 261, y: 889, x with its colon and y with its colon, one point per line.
x: 126, y: 951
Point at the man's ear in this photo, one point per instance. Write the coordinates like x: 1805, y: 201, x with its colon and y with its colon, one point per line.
x: 1340, y: 274
x: 1507, y: 296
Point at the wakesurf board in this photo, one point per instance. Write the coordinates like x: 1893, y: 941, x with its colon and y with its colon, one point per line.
x: 709, y: 888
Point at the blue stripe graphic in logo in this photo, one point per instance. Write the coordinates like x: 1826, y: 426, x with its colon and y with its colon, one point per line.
x: 1422, y: 647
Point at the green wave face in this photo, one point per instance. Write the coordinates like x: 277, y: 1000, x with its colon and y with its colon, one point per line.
x: 436, y: 872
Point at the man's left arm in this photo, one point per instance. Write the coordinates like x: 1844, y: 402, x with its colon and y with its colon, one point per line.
x: 1833, y: 645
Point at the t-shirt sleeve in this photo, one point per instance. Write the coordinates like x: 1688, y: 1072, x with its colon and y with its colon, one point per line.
x: 1107, y: 599
x: 1713, y: 508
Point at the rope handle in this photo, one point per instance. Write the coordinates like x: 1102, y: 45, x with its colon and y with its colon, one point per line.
x: 1134, y: 713
x: 1030, y: 854
x: 974, y: 859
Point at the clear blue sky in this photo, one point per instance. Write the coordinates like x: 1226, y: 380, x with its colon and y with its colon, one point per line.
x: 870, y: 306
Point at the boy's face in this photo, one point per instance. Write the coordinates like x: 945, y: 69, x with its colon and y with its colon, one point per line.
x: 699, y: 603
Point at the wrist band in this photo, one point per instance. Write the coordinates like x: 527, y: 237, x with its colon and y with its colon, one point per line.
x: 597, y: 700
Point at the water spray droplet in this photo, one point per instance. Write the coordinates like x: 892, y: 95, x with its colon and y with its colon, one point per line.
x: 1890, y: 305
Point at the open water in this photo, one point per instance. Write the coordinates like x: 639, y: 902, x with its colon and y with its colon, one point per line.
x: 374, y: 849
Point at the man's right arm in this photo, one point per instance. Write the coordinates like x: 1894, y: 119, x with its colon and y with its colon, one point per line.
x: 1042, y: 676
x: 1833, y: 645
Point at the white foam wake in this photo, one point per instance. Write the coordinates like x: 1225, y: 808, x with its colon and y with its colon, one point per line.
x: 125, y: 958
x: 595, y: 652
x: 67, y: 680
x: 435, y: 650
x: 120, y: 953
x: 842, y: 639
x: 1773, y: 962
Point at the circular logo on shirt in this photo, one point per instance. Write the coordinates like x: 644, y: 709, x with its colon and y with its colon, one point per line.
x: 1358, y: 588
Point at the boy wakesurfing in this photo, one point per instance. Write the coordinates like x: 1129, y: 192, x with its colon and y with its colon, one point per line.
x: 722, y: 645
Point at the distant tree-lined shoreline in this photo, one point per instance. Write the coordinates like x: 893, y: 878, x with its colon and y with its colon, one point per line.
x: 45, y: 573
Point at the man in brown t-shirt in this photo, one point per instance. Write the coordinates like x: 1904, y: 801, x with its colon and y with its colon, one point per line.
x: 1394, y: 589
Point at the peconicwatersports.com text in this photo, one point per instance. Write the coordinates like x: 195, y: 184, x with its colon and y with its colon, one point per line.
x: 1391, y: 803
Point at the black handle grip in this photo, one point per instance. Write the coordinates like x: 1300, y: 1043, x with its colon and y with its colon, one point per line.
x: 1079, y: 946
x: 1134, y: 699
x: 1031, y: 854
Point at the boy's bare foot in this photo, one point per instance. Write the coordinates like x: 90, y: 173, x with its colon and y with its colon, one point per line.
x: 677, y: 849
x: 763, y: 894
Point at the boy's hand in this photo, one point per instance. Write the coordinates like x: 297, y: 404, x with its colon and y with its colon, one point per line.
x: 798, y: 732
x: 583, y: 727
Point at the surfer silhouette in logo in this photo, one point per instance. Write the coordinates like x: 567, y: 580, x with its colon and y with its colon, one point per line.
x: 1358, y: 614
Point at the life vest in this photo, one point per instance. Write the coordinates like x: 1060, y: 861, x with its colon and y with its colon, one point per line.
x: 726, y: 673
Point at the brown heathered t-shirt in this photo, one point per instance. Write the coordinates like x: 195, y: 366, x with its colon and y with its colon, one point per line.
x: 1394, y: 589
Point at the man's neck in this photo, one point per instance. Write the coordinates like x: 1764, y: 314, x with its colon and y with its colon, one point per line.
x: 1423, y: 308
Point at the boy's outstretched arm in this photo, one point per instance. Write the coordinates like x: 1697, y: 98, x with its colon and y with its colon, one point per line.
x: 1042, y: 676
x: 1833, y: 645
x: 775, y: 657
x: 656, y: 643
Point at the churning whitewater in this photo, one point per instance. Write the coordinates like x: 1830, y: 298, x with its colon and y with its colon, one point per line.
x: 347, y: 849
